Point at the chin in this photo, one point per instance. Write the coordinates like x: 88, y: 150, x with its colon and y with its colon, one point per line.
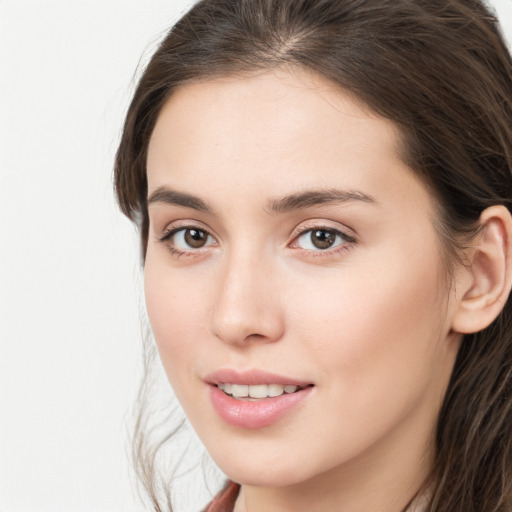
x: 264, y: 478
x: 263, y: 473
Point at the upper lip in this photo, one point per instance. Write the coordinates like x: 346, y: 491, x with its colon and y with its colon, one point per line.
x: 251, y: 378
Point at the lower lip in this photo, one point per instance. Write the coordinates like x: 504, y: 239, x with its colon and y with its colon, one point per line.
x: 258, y: 413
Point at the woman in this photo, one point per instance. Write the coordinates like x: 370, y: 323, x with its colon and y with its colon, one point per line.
x: 323, y: 191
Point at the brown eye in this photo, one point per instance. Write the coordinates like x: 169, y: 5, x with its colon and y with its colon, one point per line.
x: 188, y: 239
x: 195, y: 238
x: 322, y: 238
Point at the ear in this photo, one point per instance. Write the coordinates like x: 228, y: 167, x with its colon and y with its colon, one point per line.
x: 487, y: 280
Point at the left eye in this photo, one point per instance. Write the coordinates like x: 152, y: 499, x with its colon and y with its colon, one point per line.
x: 191, y: 238
x: 320, y: 239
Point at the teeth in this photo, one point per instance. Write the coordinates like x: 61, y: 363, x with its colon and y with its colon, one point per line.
x: 275, y: 390
x: 240, y: 391
x: 257, y: 391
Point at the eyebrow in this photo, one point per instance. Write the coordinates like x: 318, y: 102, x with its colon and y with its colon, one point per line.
x: 317, y: 197
x: 285, y: 204
x: 167, y: 196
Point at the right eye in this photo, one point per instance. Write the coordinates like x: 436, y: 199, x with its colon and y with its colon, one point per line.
x: 188, y: 239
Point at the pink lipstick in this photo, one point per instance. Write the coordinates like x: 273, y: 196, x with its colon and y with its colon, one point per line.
x: 254, y: 399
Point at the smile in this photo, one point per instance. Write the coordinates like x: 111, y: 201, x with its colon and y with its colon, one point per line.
x: 256, y: 392
x: 248, y: 412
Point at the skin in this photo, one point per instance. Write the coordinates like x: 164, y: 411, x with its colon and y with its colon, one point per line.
x: 367, y: 321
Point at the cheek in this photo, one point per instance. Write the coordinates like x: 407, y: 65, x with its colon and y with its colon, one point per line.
x: 374, y: 326
x: 176, y: 311
x: 374, y: 339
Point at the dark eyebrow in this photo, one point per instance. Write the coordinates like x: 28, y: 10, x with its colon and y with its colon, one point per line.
x: 169, y: 196
x: 316, y: 197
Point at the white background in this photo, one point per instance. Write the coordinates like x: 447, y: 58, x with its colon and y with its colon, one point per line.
x: 70, y: 284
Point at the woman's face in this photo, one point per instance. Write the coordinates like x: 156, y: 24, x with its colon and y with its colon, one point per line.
x: 289, y: 245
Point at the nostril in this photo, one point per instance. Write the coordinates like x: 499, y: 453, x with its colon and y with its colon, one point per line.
x: 251, y: 325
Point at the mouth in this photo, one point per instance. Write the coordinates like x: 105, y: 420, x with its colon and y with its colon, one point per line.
x: 253, y: 399
x: 254, y: 406
x: 258, y: 391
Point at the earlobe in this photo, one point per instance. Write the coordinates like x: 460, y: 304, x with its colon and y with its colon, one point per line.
x: 489, y: 273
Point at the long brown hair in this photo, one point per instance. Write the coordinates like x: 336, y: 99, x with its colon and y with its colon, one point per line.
x: 441, y: 71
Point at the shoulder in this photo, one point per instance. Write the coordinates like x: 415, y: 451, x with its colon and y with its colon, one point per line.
x: 225, y: 500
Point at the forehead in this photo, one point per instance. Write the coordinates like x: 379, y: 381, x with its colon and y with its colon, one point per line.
x: 273, y: 133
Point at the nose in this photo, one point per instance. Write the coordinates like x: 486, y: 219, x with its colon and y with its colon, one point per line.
x: 247, y: 307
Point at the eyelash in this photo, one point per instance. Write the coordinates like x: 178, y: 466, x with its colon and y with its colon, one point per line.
x: 347, y: 243
x: 170, y: 232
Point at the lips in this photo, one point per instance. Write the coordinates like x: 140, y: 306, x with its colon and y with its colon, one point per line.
x: 252, y: 378
x: 255, y: 399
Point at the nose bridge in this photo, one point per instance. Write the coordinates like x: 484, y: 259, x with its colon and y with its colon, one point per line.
x: 247, y: 307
